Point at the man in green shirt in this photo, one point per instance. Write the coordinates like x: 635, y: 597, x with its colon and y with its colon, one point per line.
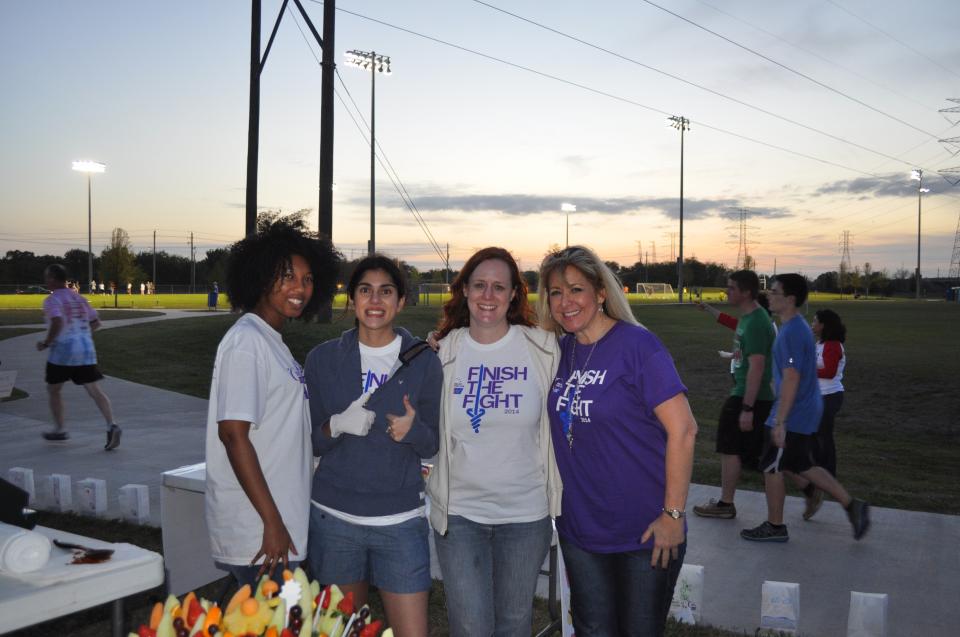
x: 740, y: 429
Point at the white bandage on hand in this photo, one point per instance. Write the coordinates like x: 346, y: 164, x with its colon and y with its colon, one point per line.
x: 353, y: 420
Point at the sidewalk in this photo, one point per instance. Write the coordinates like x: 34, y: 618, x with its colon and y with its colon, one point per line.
x: 913, y: 557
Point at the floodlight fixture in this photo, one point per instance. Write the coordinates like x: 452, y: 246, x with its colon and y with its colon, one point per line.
x: 88, y: 166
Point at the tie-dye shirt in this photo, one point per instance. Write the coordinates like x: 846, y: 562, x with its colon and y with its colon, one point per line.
x: 74, y: 344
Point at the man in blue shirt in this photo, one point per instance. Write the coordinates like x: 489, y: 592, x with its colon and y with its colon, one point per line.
x: 795, y: 417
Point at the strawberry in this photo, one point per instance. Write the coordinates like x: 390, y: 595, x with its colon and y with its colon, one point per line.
x: 372, y: 629
x: 326, y: 598
x: 346, y: 604
x: 146, y: 631
x: 193, y: 612
x: 286, y: 632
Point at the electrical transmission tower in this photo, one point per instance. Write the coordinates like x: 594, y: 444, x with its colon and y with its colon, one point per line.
x: 744, y: 261
x: 952, y: 114
x: 653, y: 250
x: 955, y: 259
x: 845, y: 262
x: 673, y: 245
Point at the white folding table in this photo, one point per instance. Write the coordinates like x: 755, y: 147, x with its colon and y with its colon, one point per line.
x: 61, y: 588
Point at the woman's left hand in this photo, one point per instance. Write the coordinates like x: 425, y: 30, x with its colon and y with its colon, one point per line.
x: 667, y: 537
x: 400, y: 425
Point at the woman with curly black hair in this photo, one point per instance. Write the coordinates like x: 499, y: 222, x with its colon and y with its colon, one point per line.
x: 258, y: 447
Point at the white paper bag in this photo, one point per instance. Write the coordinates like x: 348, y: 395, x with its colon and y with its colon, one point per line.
x: 135, y: 503
x: 22, y: 551
x: 92, y: 497
x: 56, y: 493
x: 780, y: 607
x: 23, y: 478
x: 687, y: 604
x: 868, y: 615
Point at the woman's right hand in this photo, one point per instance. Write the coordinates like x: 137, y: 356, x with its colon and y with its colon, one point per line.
x: 432, y: 340
x: 274, y: 548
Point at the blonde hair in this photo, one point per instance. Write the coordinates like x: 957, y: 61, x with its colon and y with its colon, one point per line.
x: 593, y: 270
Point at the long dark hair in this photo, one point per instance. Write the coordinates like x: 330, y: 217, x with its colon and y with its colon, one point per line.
x: 833, y: 328
x: 455, y: 311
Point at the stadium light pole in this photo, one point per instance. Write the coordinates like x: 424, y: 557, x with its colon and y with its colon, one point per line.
x: 89, y: 167
x: 682, y: 124
x: 568, y: 208
x: 375, y: 63
x: 917, y: 175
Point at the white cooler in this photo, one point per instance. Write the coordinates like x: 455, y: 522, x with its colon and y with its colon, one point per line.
x: 186, y: 542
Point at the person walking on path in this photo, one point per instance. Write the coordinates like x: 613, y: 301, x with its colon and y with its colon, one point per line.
x: 789, y: 441
x: 740, y: 428
x: 72, y: 355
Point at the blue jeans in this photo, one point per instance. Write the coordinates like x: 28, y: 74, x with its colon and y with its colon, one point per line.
x: 247, y: 573
x: 394, y: 558
x: 619, y: 594
x: 490, y: 575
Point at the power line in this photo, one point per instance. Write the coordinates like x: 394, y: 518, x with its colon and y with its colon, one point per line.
x: 600, y: 92
x: 390, y: 171
x: 678, y: 78
x: 822, y: 58
x: 790, y: 69
x: 892, y: 37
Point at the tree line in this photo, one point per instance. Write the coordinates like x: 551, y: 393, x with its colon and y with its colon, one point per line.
x: 118, y: 263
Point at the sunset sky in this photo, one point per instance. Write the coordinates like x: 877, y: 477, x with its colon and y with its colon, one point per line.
x: 808, y: 114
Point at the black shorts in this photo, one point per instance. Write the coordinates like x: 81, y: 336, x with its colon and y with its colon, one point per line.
x: 746, y: 444
x: 795, y: 456
x: 79, y: 374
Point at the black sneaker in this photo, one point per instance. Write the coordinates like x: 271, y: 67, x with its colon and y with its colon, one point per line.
x: 766, y: 532
x: 858, y: 512
x: 113, y: 438
x: 55, y: 436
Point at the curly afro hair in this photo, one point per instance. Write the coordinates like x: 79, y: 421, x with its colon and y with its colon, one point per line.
x: 256, y: 262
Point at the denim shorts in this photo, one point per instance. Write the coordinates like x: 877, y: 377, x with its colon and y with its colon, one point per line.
x: 394, y: 558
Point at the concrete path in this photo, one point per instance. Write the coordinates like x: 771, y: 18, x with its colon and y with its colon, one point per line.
x: 913, y: 557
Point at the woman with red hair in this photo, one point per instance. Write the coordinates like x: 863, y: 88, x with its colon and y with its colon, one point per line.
x: 495, y: 484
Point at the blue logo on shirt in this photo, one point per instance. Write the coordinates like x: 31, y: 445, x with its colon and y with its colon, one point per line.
x: 485, y: 390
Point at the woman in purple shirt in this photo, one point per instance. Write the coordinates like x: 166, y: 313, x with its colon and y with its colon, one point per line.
x: 623, y: 435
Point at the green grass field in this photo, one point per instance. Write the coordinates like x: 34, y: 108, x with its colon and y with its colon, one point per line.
x: 896, y: 433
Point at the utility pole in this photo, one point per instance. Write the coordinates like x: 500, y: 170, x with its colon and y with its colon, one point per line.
x: 653, y: 250
x: 682, y: 124
x: 955, y: 257
x: 253, y: 123
x: 917, y: 175
x: 154, y: 258
x: 193, y: 266
x: 328, y: 68
x: 448, y: 264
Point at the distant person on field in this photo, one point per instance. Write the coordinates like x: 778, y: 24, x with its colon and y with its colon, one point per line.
x: 72, y: 356
x: 93, y: 287
x: 212, y: 296
x: 129, y: 288
x: 258, y: 449
x: 102, y: 288
x: 143, y: 288
x: 789, y: 435
x: 740, y: 428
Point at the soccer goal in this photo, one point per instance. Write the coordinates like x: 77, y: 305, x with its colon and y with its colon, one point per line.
x: 433, y: 293
x: 654, y: 288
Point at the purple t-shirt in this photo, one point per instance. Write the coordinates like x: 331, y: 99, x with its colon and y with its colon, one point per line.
x: 614, y: 471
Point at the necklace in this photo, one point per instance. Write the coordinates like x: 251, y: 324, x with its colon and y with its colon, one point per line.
x: 566, y: 414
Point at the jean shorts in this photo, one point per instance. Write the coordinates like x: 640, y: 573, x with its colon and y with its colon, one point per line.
x: 393, y: 558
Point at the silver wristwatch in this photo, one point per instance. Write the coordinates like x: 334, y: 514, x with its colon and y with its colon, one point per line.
x: 676, y: 514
